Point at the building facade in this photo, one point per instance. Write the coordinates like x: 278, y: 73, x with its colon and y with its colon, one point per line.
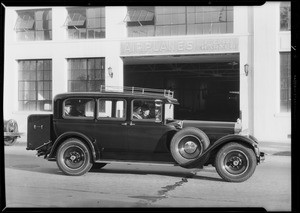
x: 223, y: 63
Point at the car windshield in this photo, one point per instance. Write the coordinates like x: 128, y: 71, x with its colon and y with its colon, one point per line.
x: 169, y: 111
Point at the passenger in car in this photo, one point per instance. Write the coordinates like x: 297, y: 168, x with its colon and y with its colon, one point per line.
x: 137, y: 113
x: 145, y: 111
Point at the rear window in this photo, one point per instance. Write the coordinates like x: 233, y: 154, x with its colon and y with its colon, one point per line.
x: 83, y: 108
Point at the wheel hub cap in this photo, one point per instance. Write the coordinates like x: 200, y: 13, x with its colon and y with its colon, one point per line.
x: 190, y: 147
x: 74, y: 157
x: 236, y: 162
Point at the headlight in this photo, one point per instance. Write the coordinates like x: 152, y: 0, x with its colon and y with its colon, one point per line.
x: 238, y: 126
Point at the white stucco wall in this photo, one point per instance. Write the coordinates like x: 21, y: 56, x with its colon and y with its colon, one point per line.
x: 269, y: 123
x: 259, y: 44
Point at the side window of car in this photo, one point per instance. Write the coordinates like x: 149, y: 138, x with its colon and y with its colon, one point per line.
x: 146, y: 110
x: 111, y: 109
x: 79, y: 108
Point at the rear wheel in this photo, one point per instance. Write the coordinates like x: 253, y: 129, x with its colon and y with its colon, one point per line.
x: 188, y: 144
x: 235, y: 162
x: 73, y: 157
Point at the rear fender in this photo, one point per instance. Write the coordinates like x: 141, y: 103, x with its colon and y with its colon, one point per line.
x: 222, y: 141
x: 90, y: 143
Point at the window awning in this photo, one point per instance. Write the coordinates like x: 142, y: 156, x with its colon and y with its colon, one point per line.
x: 75, y: 20
x: 24, y: 23
x: 138, y: 16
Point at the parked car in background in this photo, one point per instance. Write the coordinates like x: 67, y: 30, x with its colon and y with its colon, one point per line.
x: 11, y: 133
x: 136, y: 125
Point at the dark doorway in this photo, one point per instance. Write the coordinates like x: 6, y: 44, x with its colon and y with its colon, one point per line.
x: 205, y: 91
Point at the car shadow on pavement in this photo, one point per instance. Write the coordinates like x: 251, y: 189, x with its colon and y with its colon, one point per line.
x: 179, y: 174
x: 35, y: 168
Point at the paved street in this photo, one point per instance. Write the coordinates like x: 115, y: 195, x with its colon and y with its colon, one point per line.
x: 35, y: 182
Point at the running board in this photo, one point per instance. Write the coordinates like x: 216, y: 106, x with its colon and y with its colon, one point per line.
x: 149, y: 163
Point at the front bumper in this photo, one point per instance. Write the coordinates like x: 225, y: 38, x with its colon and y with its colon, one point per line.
x: 261, y: 157
x: 12, y: 134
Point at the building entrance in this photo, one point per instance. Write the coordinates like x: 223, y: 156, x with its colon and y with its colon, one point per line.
x: 206, y: 86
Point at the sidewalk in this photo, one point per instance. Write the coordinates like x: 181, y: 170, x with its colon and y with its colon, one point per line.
x: 275, y: 148
x: 269, y: 148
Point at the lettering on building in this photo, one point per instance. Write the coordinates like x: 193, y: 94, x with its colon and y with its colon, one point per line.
x: 179, y: 47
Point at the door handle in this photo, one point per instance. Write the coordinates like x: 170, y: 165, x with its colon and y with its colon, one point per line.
x: 35, y: 126
x: 124, y: 124
x: 131, y: 124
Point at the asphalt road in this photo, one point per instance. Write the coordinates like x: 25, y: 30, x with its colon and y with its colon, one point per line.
x: 34, y: 182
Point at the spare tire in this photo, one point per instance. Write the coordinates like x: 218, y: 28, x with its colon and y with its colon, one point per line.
x: 188, y: 144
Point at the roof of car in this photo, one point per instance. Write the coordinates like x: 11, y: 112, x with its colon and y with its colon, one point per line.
x: 117, y: 95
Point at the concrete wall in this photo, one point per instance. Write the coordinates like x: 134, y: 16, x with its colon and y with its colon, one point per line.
x: 269, y: 123
x: 259, y: 44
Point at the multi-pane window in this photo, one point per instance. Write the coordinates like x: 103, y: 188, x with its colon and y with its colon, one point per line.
x: 86, y: 74
x: 209, y: 20
x: 34, y: 25
x: 285, y: 16
x: 35, y: 85
x: 86, y: 22
x: 170, y: 21
x: 178, y: 20
x: 111, y: 109
x: 285, y: 82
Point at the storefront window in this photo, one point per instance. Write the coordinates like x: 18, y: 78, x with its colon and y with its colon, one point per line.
x: 285, y: 16
x: 178, y: 20
x: 34, y: 25
x: 86, y: 75
x: 209, y: 20
x: 35, y: 85
x: 285, y: 82
x: 86, y: 23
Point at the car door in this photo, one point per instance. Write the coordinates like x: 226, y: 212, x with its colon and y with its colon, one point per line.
x: 110, y: 128
x: 147, y: 136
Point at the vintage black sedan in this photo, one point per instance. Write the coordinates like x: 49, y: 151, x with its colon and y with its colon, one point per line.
x: 136, y: 125
x: 11, y: 132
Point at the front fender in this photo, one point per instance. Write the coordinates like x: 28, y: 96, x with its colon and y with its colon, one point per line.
x: 222, y: 141
x: 64, y: 136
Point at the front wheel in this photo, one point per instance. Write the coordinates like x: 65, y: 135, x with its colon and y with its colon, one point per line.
x: 235, y: 162
x: 73, y: 157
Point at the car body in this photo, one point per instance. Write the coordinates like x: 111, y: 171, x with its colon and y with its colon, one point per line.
x: 11, y: 133
x: 95, y: 128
